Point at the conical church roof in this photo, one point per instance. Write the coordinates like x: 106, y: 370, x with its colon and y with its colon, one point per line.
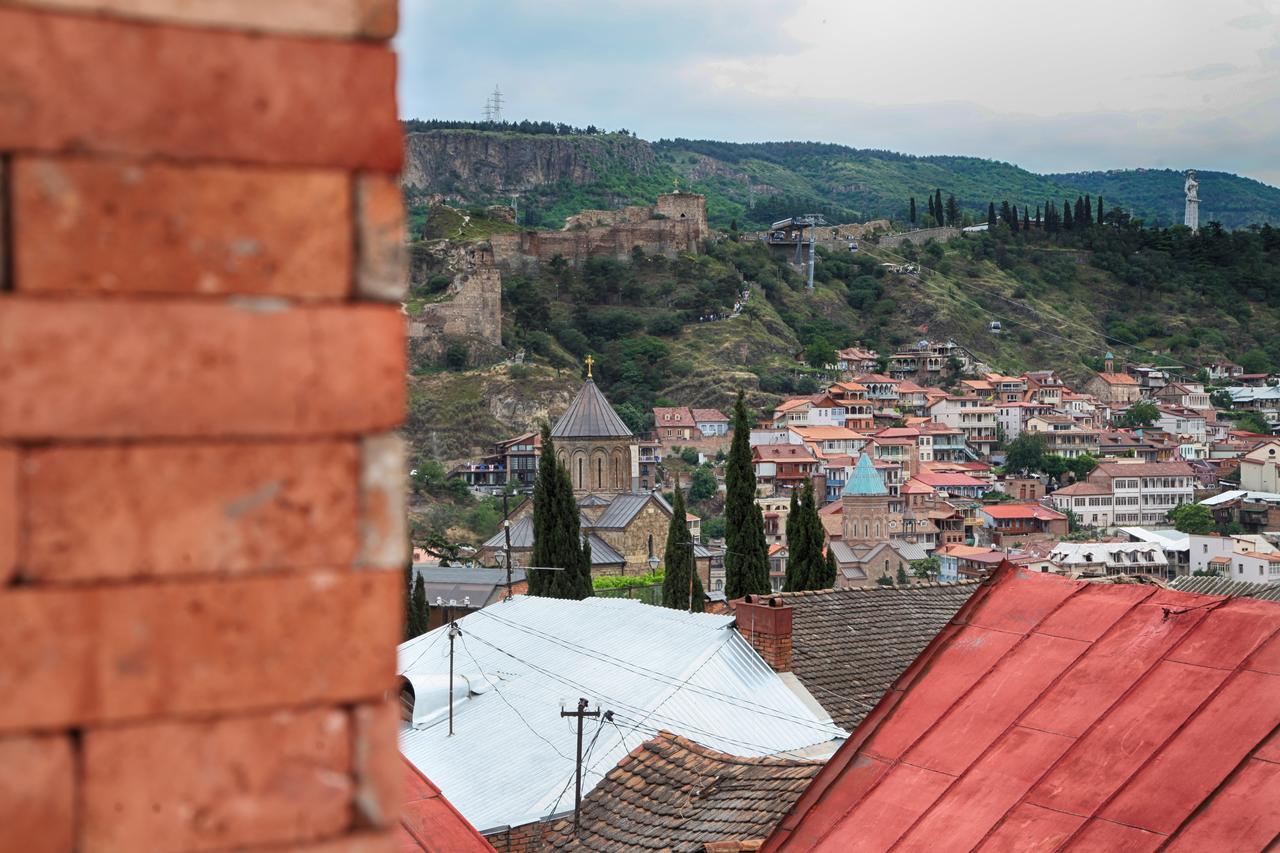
x: 866, y: 480
x: 590, y: 416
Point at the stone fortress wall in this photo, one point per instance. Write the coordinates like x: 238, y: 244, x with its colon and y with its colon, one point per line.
x: 676, y: 224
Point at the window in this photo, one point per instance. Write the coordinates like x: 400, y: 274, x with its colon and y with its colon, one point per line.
x: 599, y: 473
x: 582, y: 478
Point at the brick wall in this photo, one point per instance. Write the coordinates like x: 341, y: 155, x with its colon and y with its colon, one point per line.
x: 201, y: 366
x: 527, y: 838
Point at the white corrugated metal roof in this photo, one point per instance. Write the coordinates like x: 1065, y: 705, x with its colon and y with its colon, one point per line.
x: 511, y: 756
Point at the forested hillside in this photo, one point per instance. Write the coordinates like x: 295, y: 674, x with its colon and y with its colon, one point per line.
x: 552, y: 170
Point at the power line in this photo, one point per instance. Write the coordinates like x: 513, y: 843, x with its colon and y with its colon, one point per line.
x: 654, y: 675
x: 682, y: 724
x: 508, y: 704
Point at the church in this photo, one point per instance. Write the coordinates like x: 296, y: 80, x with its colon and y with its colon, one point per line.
x: 626, y: 525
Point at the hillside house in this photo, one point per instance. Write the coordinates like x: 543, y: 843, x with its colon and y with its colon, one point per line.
x: 816, y: 410
x: 1189, y: 426
x: 783, y: 467
x: 958, y: 562
x: 1094, y: 559
x: 675, y: 424
x: 856, y: 360
x: 1011, y: 523
x: 1260, y: 468
x: 1063, y: 436
x: 1044, y: 387
x: 712, y: 423
x: 513, y: 461
x: 858, y: 410
x: 1223, y: 369
x: 1189, y: 395
x: 972, y: 416
x: 1131, y: 493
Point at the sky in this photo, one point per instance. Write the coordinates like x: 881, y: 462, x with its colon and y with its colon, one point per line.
x: 1051, y: 87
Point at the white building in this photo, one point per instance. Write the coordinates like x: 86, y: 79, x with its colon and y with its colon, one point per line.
x: 972, y: 416
x: 1111, y: 558
x: 1260, y: 468
x: 1229, y: 556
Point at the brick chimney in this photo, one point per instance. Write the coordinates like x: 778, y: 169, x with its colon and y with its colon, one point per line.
x: 765, y: 622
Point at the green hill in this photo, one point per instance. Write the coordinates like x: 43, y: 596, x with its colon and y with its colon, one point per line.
x: 554, y: 171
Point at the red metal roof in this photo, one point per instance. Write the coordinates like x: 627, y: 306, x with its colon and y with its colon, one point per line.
x: 1054, y: 714
x: 430, y: 822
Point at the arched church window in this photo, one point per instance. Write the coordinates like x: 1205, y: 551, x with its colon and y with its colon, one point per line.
x: 650, y: 544
x: 582, y: 480
x: 877, y: 529
x: 617, y: 472
x: 599, y: 473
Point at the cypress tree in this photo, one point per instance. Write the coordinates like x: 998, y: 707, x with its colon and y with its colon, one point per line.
x: 953, y: 210
x: 678, y: 560
x: 932, y: 213
x: 913, y: 210
x: 1026, y: 218
x: 1066, y: 216
x: 1004, y: 212
x: 991, y: 215
x: 1013, y: 220
x: 1037, y: 216
x: 408, y: 596
x: 1078, y: 214
x: 1100, y: 209
x: 557, y: 536
x: 418, y: 615
x: 937, y: 204
x: 795, y: 544
x: 1088, y: 211
x: 746, y: 561
x: 811, y: 530
x: 830, y: 569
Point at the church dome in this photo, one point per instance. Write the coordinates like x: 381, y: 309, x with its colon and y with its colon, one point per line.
x: 590, y: 416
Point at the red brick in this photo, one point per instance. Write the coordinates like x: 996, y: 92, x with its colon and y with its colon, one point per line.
x: 161, y: 368
x: 85, y: 655
x: 72, y: 83
x: 384, y: 541
x: 366, y: 841
x: 95, y: 511
x: 157, y: 228
x: 365, y: 18
x: 9, y: 513
x: 37, y: 794
x: 376, y: 763
x: 274, y: 778
x: 382, y: 270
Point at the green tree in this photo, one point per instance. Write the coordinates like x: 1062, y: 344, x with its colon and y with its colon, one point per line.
x: 1254, y: 422
x: 830, y: 569
x: 557, y: 536
x: 1256, y: 360
x: 913, y: 210
x: 1100, y: 209
x: 937, y: 204
x: 689, y: 456
x: 1066, y: 216
x: 926, y: 569
x: 933, y: 214
x: 1005, y: 215
x: 806, y: 568
x: 1081, y: 466
x: 991, y: 216
x: 901, y: 578
x: 418, y: 613
x: 1192, y: 518
x: 953, y: 210
x: 702, y: 485
x: 795, y: 548
x: 1140, y: 414
x: 677, y: 561
x: 746, y: 561
x: 1025, y: 453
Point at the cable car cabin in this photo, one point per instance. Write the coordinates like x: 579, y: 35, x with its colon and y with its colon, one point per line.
x: 787, y: 232
x: 994, y: 327
x: 853, y: 245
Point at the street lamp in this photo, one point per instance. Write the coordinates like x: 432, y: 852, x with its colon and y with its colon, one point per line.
x: 653, y: 563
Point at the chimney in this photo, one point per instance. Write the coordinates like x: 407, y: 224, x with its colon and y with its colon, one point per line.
x: 765, y: 622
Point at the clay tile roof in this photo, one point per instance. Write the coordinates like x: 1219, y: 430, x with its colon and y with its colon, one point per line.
x: 709, y: 416
x: 1023, y: 510
x: 673, y: 416
x: 430, y: 822
x: 1083, y: 487
x: 590, y: 416
x: 1060, y: 714
x: 672, y: 794
x: 1117, y: 379
x: 850, y: 645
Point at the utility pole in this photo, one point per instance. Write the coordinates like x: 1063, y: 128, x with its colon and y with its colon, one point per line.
x: 693, y: 567
x: 581, y: 713
x: 454, y: 631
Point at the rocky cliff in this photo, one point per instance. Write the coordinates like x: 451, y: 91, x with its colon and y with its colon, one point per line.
x: 475, y: 165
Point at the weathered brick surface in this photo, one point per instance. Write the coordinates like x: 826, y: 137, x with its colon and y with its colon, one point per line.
x: 361, y: 18
x: 76, y: 83
x: 378, y: 768
x: 108, y: 368
x: 383, y: 265
x: 157, y: 228
x: 37, y: 794
x: 122, y: 511
x: 271, y: 778
x: 9, y: 512
x: 383, y: 538
x: 86, y: 655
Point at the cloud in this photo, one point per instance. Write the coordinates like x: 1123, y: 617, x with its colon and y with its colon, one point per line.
x: 1092, y: 85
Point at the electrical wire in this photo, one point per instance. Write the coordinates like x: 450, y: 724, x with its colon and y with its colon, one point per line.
x: 659, y: 677
x: 527, y: 725
x: 586, y: 756
x: 676, y: 723
x: 442, y: 631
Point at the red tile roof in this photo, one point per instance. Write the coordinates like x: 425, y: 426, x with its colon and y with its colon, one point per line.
x: 954, y: 481
x: 1117, y: 379
x: 1030, y: 510
x: 710, y: 416
x: 672, y: 416
x: 1060, y: 714
x: 430, y: 822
